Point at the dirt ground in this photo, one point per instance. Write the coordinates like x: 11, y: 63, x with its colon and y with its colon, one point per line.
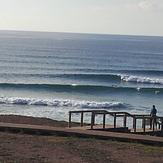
x: 23, y: 148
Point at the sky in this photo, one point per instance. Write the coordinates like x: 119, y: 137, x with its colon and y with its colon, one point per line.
x: 126, y: 17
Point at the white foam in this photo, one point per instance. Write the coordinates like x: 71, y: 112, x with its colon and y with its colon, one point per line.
x: 139, y: 79
x: 73, y: 85
x: 63, y: 108
x: 59, y: 102
x: 138, y: 89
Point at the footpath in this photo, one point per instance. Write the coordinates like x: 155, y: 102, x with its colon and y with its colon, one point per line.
x: 79, y: 132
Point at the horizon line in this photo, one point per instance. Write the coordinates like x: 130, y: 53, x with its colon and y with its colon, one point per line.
x: 15, y: 30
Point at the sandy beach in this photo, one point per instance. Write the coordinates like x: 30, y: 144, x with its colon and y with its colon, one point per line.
x: 24, y: 148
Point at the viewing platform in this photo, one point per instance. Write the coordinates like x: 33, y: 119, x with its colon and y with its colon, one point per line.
x: 149, y: 125
x: 106, y: 131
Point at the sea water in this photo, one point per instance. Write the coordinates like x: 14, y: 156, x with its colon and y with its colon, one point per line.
x: 49, y: 74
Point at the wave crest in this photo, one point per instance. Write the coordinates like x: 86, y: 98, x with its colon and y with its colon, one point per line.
x: 59, y: 103
x: 139, y: 79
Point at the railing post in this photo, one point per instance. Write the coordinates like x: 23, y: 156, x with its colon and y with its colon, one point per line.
x: 104, y: 117
x: 115, y: 116
x: 134, y: 124
x: 69, y: 124
x: 124, y: 120
x: 81, y: 124
x: 144, y: 123
x: 92, y: 120
x: 161, y: 126
x: 153, y: 125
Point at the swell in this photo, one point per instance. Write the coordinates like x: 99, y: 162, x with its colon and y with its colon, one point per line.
x: 81, y: 88
x: 68, y: 76
x: 155, y: 77
x: 144, y: 72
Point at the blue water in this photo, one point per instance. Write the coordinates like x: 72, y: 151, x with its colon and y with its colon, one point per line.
x: 48, y: 74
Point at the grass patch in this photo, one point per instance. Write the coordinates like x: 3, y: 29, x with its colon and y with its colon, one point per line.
x: 58, y: 140
x: 89, y: 151
x: 146, y: 150
x: 83, y: 147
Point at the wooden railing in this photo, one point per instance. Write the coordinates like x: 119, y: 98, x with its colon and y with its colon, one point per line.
x: 124, y: 115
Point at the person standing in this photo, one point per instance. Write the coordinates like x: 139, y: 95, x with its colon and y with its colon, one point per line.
x: 153, y: 114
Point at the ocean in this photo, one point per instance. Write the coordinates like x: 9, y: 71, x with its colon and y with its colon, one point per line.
x: 46, y: 74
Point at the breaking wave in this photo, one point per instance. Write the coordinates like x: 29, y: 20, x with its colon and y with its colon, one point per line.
x: 59, y: 102
x: 139, y: 79
x: 87, y: 78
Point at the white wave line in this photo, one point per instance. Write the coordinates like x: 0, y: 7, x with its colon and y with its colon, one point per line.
x: 58, y: 103
x: 138, y: 79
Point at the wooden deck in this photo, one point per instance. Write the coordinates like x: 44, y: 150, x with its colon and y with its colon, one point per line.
x: 104, y: 131
x: 145, y: 119
x: 81, y: 132
x: 119, y: 129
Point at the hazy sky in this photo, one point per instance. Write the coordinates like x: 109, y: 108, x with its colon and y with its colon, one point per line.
x: 133, y: 17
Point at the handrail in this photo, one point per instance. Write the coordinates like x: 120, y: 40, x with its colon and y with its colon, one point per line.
x: 115, y: 115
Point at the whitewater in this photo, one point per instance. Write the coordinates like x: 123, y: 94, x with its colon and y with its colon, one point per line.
x: 49, y: 74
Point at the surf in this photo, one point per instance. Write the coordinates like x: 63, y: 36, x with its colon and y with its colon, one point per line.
x: 59, y: 102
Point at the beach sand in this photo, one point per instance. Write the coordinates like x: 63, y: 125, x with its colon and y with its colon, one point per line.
x: 25, y: 148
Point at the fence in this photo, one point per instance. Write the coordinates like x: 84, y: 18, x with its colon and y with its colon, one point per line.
x: 144, y: 118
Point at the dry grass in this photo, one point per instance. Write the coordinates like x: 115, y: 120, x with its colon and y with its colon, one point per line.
x: 22, y: 148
